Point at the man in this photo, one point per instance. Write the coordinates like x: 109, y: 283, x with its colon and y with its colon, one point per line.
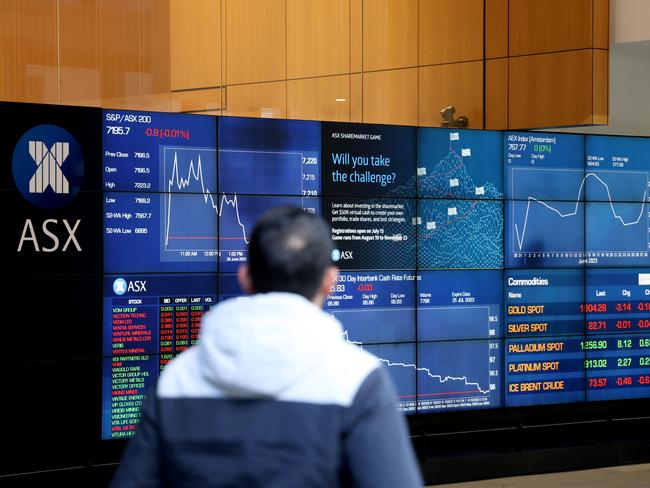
x: 273, y: 395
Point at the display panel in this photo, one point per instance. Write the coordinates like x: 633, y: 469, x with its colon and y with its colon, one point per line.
x: 460, y: 234
x: 368, y: 160
x: 455, y: 305
x: 543, y: 363
x: 269, y: 157
x: 545, y: 186
x: 237, y: 216
x: 465, y: 164
x: 618, y: 310
x: 372, y: 234
x: 422, y: 220
x: 459, y: 375
x: 148, y: 319
x: 618, y: 169
x: 167, y: 218
x: 447, y: 336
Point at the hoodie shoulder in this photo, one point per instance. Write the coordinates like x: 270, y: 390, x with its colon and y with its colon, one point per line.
x: 338, y: 378
x: 182, y: 378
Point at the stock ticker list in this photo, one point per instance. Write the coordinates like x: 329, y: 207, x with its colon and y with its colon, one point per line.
x: 544, y: 327
x: 618, y: 333
x: 147, y: 321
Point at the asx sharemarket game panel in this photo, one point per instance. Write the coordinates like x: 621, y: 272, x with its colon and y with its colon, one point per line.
x: 160, y: 181
x: 545, y: 342
x: 269, y: 157
x: 545, y: 211
x: 368, y: 160
x: 465, y: 164
x: 372, y: 233
x: 148, y: 319
x: 368, y: 177
x: 618, y: 324
x: 459, y: 234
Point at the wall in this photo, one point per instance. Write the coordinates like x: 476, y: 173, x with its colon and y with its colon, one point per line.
x: 501, y: 63
x: 629, y: 71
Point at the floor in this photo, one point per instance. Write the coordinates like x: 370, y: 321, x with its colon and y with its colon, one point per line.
x: 634, y: 476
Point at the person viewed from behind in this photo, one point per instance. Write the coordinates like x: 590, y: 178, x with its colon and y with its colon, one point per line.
x: 273, y: 395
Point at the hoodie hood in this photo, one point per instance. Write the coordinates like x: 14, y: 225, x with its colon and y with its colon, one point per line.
x: 259, y: 346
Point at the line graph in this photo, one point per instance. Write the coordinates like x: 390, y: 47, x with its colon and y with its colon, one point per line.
x: 199, y: 224
x: 576, y: 231
x: 458, y: 374
x: 237, y: 215
x: 436, y: 378
x: 189, y: 222
x: 520, y: 237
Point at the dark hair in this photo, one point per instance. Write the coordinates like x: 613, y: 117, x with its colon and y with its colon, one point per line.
x: 289, y: 251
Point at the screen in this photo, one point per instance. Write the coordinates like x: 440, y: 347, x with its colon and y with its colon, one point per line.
x: 471, y: 261
x: 483, y: 269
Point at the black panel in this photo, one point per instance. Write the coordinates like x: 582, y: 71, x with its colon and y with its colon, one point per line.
x: 83, y: 124
x: 52, y: 317
x: 39, y: 242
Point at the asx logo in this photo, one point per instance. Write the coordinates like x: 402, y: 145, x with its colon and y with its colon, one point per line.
x: 48, y: 169
x: 48, y: 166
x: 341, y: 255
x: 121, y: 286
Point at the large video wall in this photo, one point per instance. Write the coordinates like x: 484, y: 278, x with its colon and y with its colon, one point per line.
x: 484, y: 269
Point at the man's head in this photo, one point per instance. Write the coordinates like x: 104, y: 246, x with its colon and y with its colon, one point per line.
x: 290, y: 251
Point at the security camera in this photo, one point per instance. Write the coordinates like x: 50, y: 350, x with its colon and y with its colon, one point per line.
x: 448, y: 119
